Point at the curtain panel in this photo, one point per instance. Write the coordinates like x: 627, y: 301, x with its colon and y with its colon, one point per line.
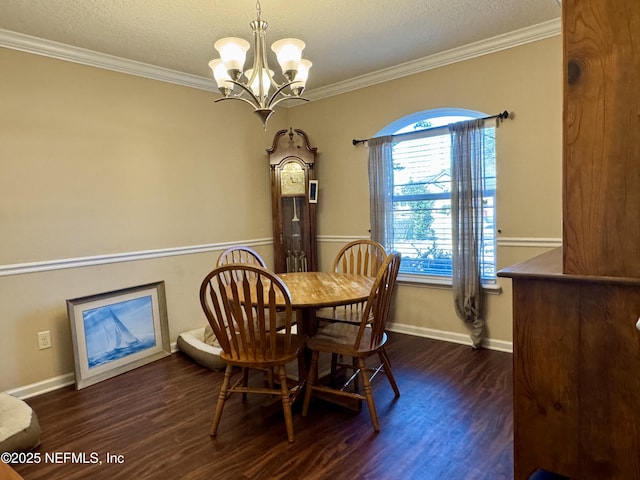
x: 381, y: 189
x: 467, y: 169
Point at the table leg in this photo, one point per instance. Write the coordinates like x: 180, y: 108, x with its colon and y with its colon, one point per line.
x: 307, y: 321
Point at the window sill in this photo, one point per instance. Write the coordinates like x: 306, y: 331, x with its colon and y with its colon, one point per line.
x: 490, y: 288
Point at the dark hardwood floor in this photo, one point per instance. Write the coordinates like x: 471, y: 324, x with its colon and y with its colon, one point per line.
x: 453, y: 420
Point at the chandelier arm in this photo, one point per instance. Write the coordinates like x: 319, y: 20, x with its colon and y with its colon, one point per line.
x: 253, y: 99
x: 253, y: 105
x: 279, y: 90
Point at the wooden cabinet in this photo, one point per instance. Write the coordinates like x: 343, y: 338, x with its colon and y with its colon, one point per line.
x: 576, y: 360
x: 293, y: 202
x: 576, y: 348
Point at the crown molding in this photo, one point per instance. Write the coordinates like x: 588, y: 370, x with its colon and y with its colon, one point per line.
x: 60, y: 51
x: 69, y: 53
x: 505, y: 41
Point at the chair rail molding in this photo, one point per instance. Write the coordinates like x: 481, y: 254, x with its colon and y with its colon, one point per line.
x: 89, y: 261
x: 538, y: 242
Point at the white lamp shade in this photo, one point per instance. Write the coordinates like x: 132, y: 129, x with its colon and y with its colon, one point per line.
x: 302, y: 75
x: 255, y: 84
x: 220, y: 74
x: 233, y: 52
x: 289, y: 52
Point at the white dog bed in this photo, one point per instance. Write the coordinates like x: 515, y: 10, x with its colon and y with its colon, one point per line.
x: 19, y: 427
x: 201, y: 347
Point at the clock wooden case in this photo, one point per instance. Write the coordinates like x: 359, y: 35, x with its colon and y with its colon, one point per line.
x: 292, y: 162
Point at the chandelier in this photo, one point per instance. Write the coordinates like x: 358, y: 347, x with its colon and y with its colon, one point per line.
x: 258, y: 81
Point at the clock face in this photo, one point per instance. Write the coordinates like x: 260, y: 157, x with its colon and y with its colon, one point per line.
x: 292, y: 179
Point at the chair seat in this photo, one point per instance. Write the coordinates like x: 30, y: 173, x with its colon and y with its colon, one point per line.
x: 340, y: 338
x: 246, y: 359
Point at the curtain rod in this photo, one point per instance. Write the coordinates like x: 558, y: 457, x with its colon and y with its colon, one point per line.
x: 500, y: 117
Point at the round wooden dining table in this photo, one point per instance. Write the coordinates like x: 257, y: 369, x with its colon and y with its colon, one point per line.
x: 312, y: 290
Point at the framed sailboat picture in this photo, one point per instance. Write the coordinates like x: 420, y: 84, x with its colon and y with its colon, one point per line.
x: 118, y: 331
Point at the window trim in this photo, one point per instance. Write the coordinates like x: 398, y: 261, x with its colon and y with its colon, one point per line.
x: 444, y: 283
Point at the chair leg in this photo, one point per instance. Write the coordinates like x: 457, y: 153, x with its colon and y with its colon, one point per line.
x: 245, y: 381
x: 286, y: 402
x: 334, y: 366
x: 384, y: 358
x: 270, y: 377
x: 368, y: 393
x: 222, y: 397
x: 302, y: 370
x: 356, y: 383
x: 311, y: 379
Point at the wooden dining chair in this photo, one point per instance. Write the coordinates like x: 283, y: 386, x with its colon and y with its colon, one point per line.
x: 245, y: 255
x: 360, y: 342
x: 360, y: 257
x: 240, y: 303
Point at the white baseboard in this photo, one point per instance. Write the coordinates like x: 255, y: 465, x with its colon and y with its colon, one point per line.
x: 452, y: 337
x: 44, y: 386
x: 51, y: 384
x: 67, y: 379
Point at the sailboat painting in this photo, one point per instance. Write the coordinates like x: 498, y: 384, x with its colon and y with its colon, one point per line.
x: 117, y: 331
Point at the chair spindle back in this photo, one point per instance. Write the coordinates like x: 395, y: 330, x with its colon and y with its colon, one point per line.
x: 376, y: 310
x: 362, y: 257
x: 240, y: 302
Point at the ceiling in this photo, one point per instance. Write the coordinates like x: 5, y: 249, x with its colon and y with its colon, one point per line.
x: 345, y: 39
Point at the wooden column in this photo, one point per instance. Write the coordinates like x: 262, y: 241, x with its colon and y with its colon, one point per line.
x: 601, y: 204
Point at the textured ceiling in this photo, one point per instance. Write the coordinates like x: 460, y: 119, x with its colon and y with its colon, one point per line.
x: 345, y: 38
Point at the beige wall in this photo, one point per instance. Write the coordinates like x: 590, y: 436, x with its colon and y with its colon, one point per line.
x: 101, y: 163
x: 526, y: 81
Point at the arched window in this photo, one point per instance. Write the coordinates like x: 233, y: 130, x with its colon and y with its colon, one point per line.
x: 421, y: 198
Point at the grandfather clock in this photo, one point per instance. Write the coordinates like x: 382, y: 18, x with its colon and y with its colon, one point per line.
x: 294, y: 192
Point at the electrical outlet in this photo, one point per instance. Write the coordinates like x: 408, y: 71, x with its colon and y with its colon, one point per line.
x: 44, y: 340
